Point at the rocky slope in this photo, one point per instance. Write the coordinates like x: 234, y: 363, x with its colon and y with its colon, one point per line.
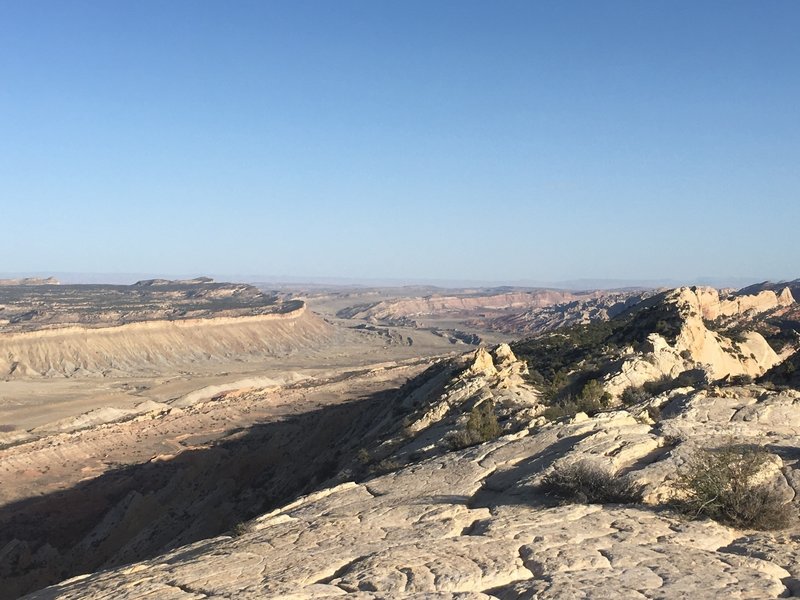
x: 697, y: 347
x: 171, y: 473
x: 664, y: 337
x: 475, y: 523
x: 542, y: 319
x: 404, y: 310
x: 438, y: 489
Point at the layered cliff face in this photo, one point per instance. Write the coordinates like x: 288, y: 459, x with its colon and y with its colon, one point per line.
x: 154, y: 326
x: 442, y: 304
x: 157, y: 346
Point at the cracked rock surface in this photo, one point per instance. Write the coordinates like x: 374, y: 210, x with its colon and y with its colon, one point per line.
x: 473, y: 523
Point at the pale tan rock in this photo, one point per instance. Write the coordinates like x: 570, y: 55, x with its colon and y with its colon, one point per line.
x: 698, y: 347
x: 152, y: 346
x: 713, y: 307
x: 471, y: 524
x: 482, y: 365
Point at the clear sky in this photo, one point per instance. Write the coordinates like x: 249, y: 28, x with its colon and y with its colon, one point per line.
x: 495, y: 141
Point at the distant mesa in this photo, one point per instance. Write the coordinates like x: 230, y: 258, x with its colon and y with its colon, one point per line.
x: 31, y: 281
x: 169, y: 282
x: 72, y: 330
x: 515, y: 312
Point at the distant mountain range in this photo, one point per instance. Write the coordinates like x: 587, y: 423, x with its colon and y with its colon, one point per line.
x: 289, y: 280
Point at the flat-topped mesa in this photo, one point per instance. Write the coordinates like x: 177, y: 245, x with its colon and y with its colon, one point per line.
x: 37, y: 307
x: 166, y: 282
x: 30, y: 281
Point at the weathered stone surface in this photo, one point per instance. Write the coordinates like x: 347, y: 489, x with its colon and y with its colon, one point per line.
x: 473, y: 524
x: 696, y: 346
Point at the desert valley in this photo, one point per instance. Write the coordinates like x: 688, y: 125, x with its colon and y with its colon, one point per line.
x: 453, y: 300
x: 193, y: 439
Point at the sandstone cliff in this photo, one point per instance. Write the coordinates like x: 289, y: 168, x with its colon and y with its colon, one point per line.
x: 438, y: 305
x: 695, y: 346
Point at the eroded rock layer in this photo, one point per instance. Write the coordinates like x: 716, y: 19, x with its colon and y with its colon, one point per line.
x: 155, y: 346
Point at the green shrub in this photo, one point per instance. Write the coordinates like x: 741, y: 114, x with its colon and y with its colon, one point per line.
x: 482, y: 426
x: 592, y: 399
x: 483, y: 421
x: 363, y: 456
x: 721, y: 483
x: 696, y: 378
x: 634, y: 395
x: 594, y: 393
x: 569, y: 407
x: 589, y: 483
x: 387, y: 465
x: 737, y: 334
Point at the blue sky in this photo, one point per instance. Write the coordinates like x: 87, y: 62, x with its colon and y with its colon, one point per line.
x: 485, y: 141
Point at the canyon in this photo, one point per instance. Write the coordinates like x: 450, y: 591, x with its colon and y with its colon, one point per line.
x: 352, y: 442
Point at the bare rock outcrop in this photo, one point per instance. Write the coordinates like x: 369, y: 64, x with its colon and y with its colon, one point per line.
x: 440, y: 406
x: 422, y: 511
x: 696, y: 346
x: 712, y: 306
x: 473, y: 523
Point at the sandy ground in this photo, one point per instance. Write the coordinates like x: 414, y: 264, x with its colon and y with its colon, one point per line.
x: 60, y: 459
x: 230, y: 455
x: 26, y: 404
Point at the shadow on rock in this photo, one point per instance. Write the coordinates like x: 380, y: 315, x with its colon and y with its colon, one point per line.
x: 142, y: 510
